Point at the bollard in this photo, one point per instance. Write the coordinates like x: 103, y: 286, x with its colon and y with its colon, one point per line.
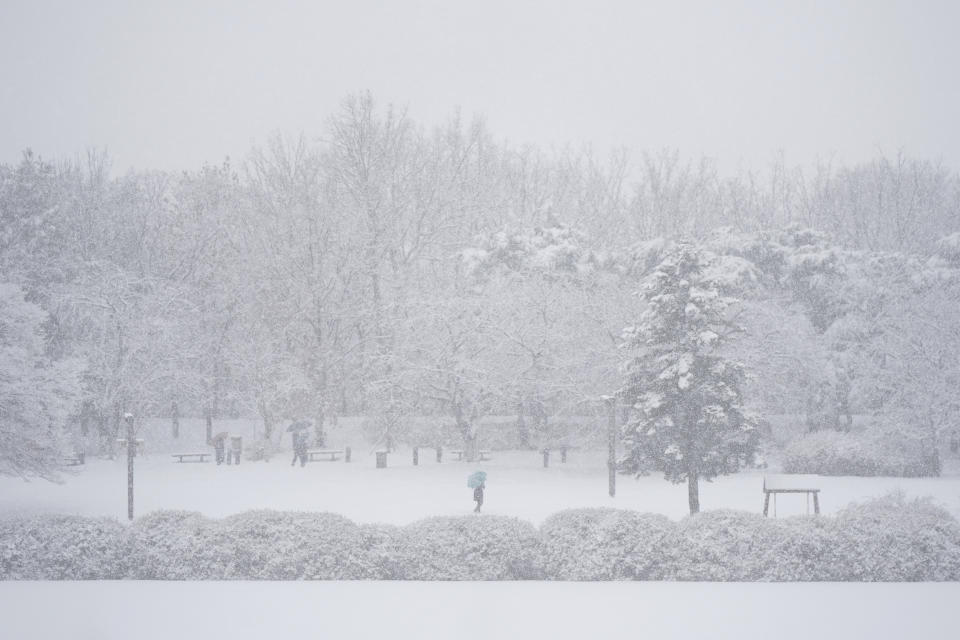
x: 381, y: 459
x: 416, y: 456
x: 346, y: 455
x: 546, y: 458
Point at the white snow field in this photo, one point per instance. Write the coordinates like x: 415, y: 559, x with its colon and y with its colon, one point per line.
x: 517, y: 485
x: 472, y: 610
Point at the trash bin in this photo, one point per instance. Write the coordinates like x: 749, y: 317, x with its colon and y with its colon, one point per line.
x: 381, y: 459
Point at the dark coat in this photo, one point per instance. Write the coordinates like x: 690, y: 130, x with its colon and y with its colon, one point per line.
x: 300, y: 443
x: 478, y: 493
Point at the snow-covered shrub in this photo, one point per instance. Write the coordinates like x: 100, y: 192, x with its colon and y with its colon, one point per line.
x: 278, y: 545
x: 740, y: 546
x: 895, y: 539
x: 177, y: 545
x: 55, y: 547
x: 469, y: 548
x: 833, y: 453
x: 380, y: 542
x: 256, y: 545
x: 606, y: 544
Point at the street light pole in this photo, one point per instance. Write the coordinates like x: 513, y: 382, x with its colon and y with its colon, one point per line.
x: 131, y: 450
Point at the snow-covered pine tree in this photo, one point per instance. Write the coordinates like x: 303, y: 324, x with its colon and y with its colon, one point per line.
x: 688, y: 418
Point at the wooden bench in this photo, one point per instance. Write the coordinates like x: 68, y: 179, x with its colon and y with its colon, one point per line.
x: 791, y: 483
x: 75, y: 459
x: 190, y: 457
x: 483, y: 453
x: 330, y: 453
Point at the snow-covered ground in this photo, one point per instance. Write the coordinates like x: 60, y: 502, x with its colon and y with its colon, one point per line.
x: 517, y: 485
x: 424, y: 610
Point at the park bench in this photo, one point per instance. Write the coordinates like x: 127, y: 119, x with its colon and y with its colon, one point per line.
x: 75, y: 459
x: 791, y: 483
x: 330, y: 453
x: 190, y: 457
x: 484, y: 454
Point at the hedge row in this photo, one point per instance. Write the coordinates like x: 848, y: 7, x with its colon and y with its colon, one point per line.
x: 832, y: 453
x: 890, y: 539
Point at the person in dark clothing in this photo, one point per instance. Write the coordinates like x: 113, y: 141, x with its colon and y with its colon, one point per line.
x: 218, y: 448
x: 299, y: 448
x: 478, y: 496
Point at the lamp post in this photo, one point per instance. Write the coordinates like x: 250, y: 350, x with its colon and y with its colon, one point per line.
x: 131, y: 450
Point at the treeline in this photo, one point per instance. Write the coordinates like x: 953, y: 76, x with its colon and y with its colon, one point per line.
x: 351, y: 274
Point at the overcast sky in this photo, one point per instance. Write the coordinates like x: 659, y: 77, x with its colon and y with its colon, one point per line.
x: 171, y: 84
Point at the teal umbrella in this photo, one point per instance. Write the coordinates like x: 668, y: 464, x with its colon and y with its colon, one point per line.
x: 476, y: 479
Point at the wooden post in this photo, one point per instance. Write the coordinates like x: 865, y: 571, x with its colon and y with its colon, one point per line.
x: 546, y: 458
x: 439, y: 453
x: 816, y: 502
x: 131, y: 450
x: 346, y: 455
x: 563, y: 454
x: 766, y: 502
x: 612, y: 446
x: 416, y: 456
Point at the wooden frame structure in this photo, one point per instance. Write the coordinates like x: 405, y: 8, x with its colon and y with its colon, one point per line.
x: 790, y: 484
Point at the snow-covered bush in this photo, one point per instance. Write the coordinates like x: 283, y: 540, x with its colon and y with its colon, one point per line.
x: 469, y: 548
x: 177, y: 545
x: 256, y: 545
x: 380, y: 543
x: 55, y: 547
x: 895, y: 539
x: 833, y: 453
x: 740, y: 546
x: 277, y: 545
x: 606, y: 544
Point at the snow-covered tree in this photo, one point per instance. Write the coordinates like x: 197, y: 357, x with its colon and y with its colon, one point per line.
x: 688, y: 418
x: 37, y: 394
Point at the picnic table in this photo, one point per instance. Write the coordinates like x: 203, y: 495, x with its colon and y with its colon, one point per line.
x: 330, y: 453
x: 190, y: 457
x: 483, y: 453
x: 75, y: 459
x: 791, y: 483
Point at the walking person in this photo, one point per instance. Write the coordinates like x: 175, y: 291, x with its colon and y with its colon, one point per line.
x: 478, y: 481
x: 296, y: 435
x: 218, y: 449
x: 478, y: 497
x: 299, y: 448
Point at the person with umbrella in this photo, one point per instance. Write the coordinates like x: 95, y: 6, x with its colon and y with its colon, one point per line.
x: 297, y: 433
x: 219, y: 446
x: 477, y: 480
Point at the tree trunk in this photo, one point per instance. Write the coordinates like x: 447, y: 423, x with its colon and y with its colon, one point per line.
x: 319, y: 435
x: 175, y: 414
x: 693, y: 492
x: 209, y: 416
x: 267, y: 420
x: 523, y: 432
